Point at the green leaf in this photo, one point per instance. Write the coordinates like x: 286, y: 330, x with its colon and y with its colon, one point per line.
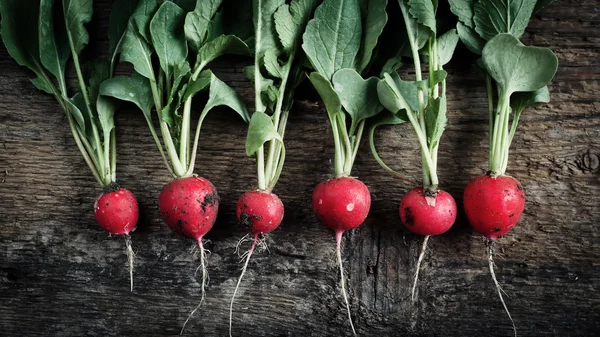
x: 463, y: 9
x: 387, y: 118
x: 54, y: 43
x: 438, y: 76
x: 74, y: 106
x: 272, y: 65
x: 142, y: 16
x: 435, y: 120
x: 135, y: 50
x: 396, y: 94
x: 223, y: 95
x: 120, y: 14
x: 167, y: 37
x: 264, y: 24
x: 135, y: 89
x: 224, y: 44
x: 216, y: 27
x: 520, y: 100
x: 260, y: 131
x: 106, y: 108
x: 169, y: 113
x: 470, y: 38
x: 199, y: 84
x: 42, y: 85
x: 423, y: 12
x: 540, y: 4
x: 446, y: 44
x: 391, y: 65
x: 493, y: 17
x: 358, y: 96
x: 332, y: 38
x: 375, y: 20
x: 77, y: 14
x: 330, y: 98
x: 100, y: 73
x: 19, y: 31
x: 516, y: 67
x: 197, y: 22
x: 418, y: 34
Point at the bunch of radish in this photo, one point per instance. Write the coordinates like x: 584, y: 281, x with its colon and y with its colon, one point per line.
x: 342, y: 44
x: 278, y: 69
x: 425, y: 210
x: 516, y: 77
x: 44, y: 36
x: 185, y: 41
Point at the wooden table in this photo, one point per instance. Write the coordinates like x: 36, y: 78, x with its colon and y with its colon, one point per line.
x: 61, y: 275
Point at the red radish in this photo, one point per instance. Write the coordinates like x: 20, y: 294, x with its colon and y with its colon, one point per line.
x: 341, y: 204
x: 423, y: 217
x: 260, y: 212
x: 494, y: 204
x: 189, y: 206
x: 117, y: 212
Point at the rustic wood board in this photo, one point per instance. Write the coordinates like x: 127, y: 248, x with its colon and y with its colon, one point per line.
x: 60, y: 275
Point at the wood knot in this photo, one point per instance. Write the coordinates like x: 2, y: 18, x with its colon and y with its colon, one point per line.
x: 589, y: 161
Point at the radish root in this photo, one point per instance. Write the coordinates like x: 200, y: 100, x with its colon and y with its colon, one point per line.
x: 204, y: 282
x: 416, y: 280
x: 498, y: 288
x: 130, y: 256
x: 247, y: 255
x: 338, y: 239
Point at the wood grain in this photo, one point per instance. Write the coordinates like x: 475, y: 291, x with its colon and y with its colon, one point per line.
x: 60, y: 275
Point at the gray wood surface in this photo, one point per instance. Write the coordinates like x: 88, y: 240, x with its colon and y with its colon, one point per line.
x: 61, y: 275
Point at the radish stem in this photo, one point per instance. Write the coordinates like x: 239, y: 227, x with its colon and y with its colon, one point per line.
x: 248, y: 255
x: 416, y: 280
x: 338, y: 239
x: 498, y: 288
x: 204, y: 277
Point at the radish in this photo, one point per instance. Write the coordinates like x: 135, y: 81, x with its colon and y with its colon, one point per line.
x: 55, y: 33
x: 341, y: 49
x: 425, y: 210
x: 278, y: 69
x: 519, y: 75
x: 184, y: 43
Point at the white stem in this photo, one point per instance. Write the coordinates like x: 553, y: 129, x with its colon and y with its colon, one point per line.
x: 130, y: 256
x: 338, y: 238
x: 416, y: 280
x: 250, y: 251
x: 491, y: 263
x: 204, y: 277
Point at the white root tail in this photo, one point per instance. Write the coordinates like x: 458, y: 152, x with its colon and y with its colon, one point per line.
x: 416, y: 280
x: 204, y: 279
x: 338, y: 239
x: 498, y: 288
x: 248, y: 254
x: 130, y: 256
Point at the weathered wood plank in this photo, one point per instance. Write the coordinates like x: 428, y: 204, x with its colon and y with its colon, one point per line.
x: 61, y: 275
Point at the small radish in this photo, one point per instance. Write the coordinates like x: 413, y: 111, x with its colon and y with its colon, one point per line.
x: 260, y: 212
x: 117, y: 212
x: 89, y: 112
x: 425, y: 210
x: 516, y: 76
x: 275, y: 82
x: 189, y: 206
x: 341, y: 204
